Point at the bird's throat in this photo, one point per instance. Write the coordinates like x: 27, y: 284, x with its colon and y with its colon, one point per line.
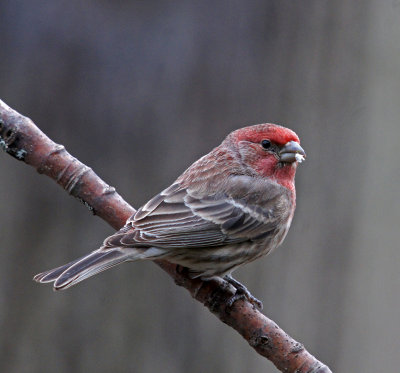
x: 284, y: 175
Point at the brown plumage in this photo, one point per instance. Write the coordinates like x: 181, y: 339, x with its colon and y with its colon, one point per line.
x: 230, y: 207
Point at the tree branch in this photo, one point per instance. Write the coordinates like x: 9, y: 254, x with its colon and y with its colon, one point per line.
x: 20, y: 138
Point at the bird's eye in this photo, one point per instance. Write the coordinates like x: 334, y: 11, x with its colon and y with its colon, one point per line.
x: 266, y: 144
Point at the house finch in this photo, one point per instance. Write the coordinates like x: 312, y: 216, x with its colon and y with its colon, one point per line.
x: 229, y: 208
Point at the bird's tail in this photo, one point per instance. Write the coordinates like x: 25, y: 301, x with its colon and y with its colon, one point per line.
x: 97, y: 261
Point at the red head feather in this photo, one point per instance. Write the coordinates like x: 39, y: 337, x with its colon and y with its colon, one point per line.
x: 277, y: 134
x: 265, y: 163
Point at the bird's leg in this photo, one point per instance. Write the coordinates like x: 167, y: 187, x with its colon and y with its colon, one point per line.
x: 241, y: 293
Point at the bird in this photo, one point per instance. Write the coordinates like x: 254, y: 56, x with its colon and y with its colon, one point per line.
x: 230, y: 207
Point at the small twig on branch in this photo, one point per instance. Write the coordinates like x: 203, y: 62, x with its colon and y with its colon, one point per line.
x: 20, y: 138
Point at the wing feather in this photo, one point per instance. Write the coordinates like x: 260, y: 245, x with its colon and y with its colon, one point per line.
x: 179, y: 218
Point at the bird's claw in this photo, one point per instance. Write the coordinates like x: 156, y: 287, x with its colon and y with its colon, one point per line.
x: 247, y: 296
x: 242, y: 293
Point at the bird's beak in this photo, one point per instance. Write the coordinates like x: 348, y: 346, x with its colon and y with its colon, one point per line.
x: 292, y: 152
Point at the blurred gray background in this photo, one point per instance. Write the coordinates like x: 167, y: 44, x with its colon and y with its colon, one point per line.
x: 139, y: 90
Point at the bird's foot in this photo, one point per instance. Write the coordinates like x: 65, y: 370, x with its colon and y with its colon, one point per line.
x: 242, y: 293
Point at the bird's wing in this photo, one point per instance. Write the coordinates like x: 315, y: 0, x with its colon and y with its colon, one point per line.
x: 179, y: 217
